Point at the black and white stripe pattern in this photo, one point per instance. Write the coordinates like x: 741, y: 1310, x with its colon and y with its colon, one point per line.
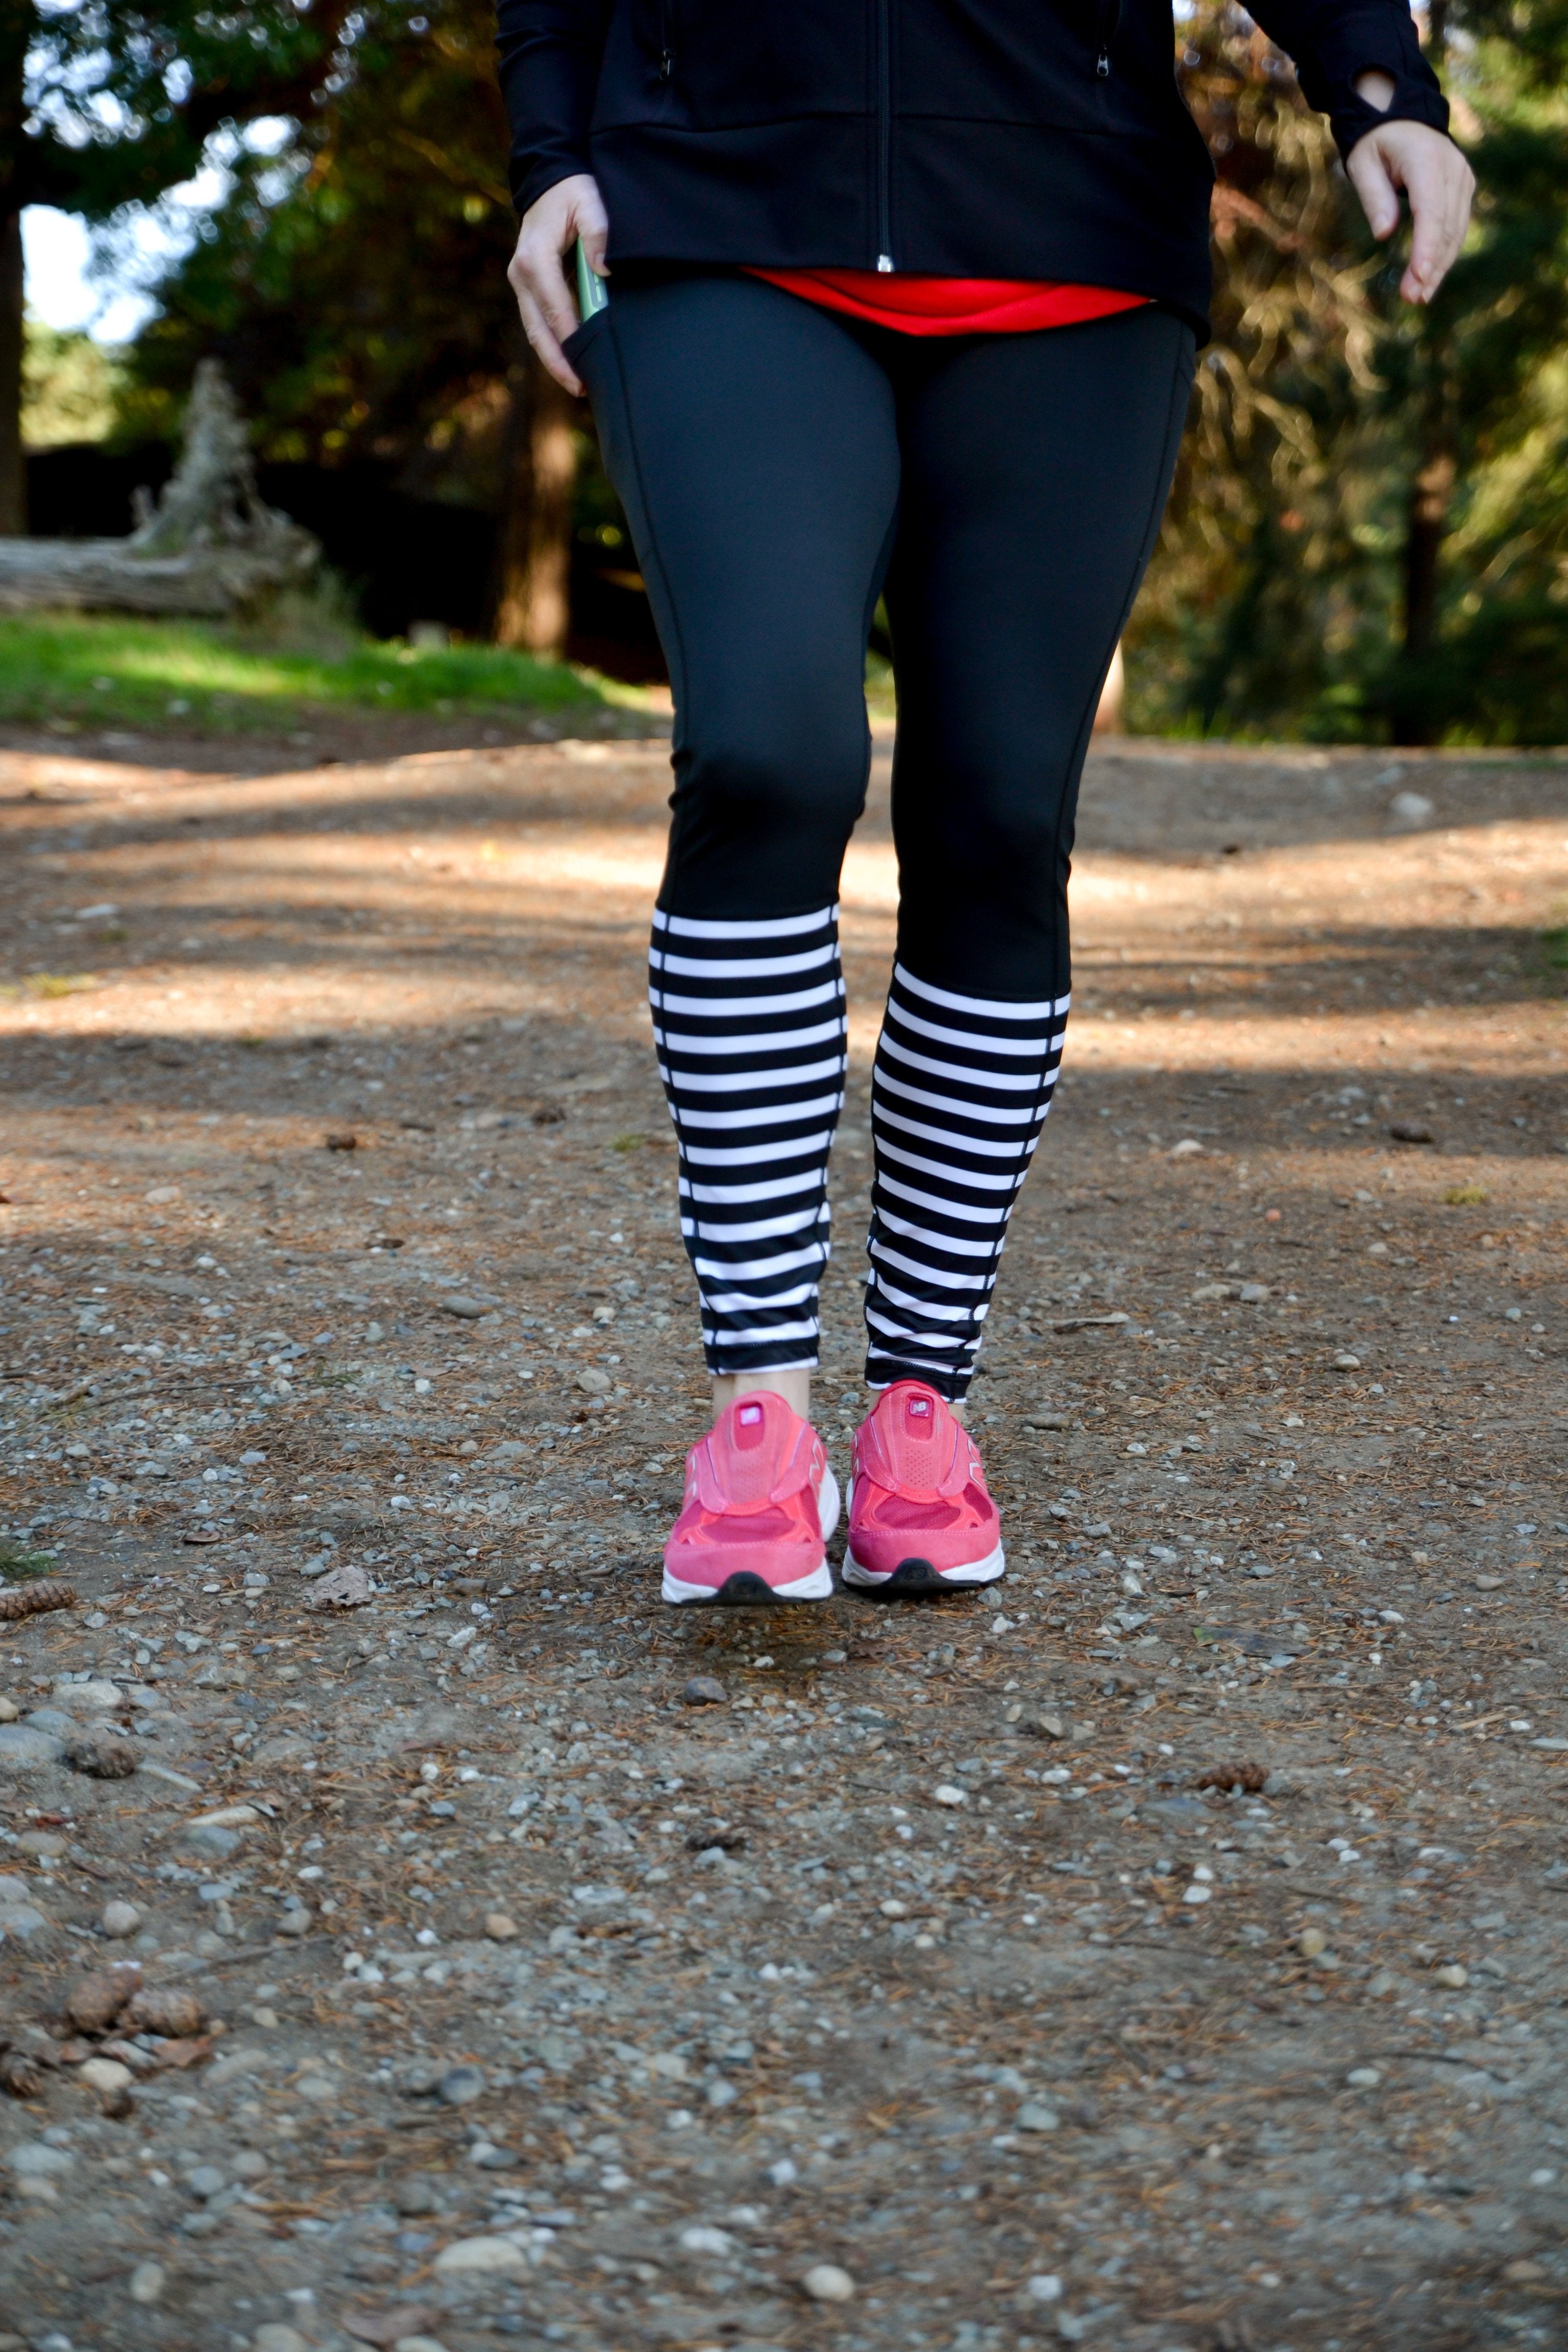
x: 748, y: 1020
x: 959, y: 1094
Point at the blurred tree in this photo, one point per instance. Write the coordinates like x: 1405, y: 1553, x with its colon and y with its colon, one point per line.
x: 354, y: 284
x: 71, y: 388
x: 102, y: 103
x: 1369, y: 526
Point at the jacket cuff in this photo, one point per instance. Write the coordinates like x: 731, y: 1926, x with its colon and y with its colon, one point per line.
x: 1352, y: 117
x: 527, y: 184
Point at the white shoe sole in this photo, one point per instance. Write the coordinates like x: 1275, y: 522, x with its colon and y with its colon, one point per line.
x: 815, y: 1586
x: 974, y: 1571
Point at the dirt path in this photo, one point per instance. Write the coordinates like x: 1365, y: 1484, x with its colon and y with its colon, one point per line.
x: 943, y: 1953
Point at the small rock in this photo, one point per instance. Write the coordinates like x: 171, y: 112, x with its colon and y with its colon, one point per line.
x: 418, y: 2343
x: 22, y: 1749
x: 1310, y: 1942
x: 465, y: 2256
x: 468, y: 1309
x: 1346, y: 1363
x: 1198, y: 1892
x: 98, y: 1697
x: 347, y: 1587
x: 826, y: 2283
x: 1364, y: 2078
x: 9, y: 1710
x: 146, y: 2283
x: 295, y: 1921
x: 35, y: 2159
x: 1410, y: 1130
x: 276, y: 2337
x: 1253, y: 1294
x: 207, y: 2181
x: 1488, y: 1583
x: 1411, y: 809
x: 944, y: 1793
x: 117, y: 1920
x: 1188, y: 1148
x: 1454, y: 1977
x: 500, y: 1927
x: 1045, y: 2287
x: 461, y: 2085
x: 1041, y: 1726
x: 416, y: 2194
x: 700, y: 2239
x: 705, y: 1690
x: 107, y: 2076
x: 1033, y: 2116
x: 594, y: 1384
x: 342, y: 1140
x: 893, y: 1909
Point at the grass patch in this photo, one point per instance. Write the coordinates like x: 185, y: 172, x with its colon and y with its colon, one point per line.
x: 1466, y: 1196
x: 53, y: 983
x: 1555, y: 950
x: 20, y: 1566
x: 72, y: 671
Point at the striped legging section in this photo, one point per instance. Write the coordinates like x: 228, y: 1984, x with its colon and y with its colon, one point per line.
x: 749, y: 1026
x: 960, y: 1091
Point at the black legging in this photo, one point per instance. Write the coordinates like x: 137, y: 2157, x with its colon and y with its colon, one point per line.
x: 779, y: 465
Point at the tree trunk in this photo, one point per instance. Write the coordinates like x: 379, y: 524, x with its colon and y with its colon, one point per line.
x: 533, y: 602
x: 13, y: 464
x: 1431, y: 494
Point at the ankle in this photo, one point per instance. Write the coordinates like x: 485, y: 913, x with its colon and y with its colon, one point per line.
x: 793, y: 1386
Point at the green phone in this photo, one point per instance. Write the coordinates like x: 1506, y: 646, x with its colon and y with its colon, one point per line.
x: 591, y: 295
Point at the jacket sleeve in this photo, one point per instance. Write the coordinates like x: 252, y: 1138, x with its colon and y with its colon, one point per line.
x: 549, y: 64
x: 1333, y: 42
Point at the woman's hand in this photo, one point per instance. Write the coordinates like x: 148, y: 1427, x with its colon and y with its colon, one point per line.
x: 1433, y: 174
x: 573, y: 208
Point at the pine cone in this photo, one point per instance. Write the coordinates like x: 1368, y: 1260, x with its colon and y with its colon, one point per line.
x: 28, y: 1600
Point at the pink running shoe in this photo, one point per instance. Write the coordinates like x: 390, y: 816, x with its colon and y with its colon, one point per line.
x: 920, y: 1516
x: 760, y: 1502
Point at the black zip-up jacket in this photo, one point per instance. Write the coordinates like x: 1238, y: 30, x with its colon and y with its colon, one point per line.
x: 1027, y: 139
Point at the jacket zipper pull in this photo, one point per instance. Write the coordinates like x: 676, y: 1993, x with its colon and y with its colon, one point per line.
x: 1102, y: 65
x: 666, y: 65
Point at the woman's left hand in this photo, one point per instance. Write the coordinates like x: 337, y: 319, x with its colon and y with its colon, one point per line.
x: 1433, y: 174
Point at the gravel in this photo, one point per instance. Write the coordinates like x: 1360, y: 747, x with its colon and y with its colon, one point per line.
x: 852, y: 1940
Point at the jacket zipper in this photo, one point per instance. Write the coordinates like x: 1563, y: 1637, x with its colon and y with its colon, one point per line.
x: 884, y: 138
x: 666, y: 39
x: 1109, y: 25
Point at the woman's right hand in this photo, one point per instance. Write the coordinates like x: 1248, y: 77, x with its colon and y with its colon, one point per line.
x: 571, y: 209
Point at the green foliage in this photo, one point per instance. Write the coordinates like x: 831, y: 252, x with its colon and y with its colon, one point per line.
x: 69, y: 670
x: 1279, y: 601
x: 70, y: 387
x: 19, y: 1565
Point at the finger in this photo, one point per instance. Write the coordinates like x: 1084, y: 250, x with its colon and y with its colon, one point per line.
x: 546, y: 282
x: 1438, y: 213
x: 1374, y: 184
x: 593, y: 229
x: 545, y: 343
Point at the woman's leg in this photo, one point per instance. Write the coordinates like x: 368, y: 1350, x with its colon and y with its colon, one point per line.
x: 1035, y: 469
x: 753, y: 441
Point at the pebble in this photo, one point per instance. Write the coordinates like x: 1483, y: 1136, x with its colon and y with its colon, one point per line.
x: 276, y: 2337
x: 94, y: 1697
x: 705, y: 1690
x: 415, y: 2195
x: 594, y: 1384
x: 1488, y: 1583
x: 9, y: 1710
x: 24, y: 1749
x: 1033, y: 2116
x: 1196, y: 1893
x: 205, y: 2181
x: 1364, y: 2078
x: 107, y: 2076
x: 460, y: 2087
x: 1453, y: 1976
x: 500, y: 1927
x: 32, y: 2159
x: 944, y: 1793
x: 826, y: 2283
x: 117, y: 1920
x: 418, y: 2343
x: 1310, y: 1942
x: 146, y: 2281
x: 465, y: 2256
x: 296, y: 1921
x: 1045, y: 2287
x: 701, y: 2238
